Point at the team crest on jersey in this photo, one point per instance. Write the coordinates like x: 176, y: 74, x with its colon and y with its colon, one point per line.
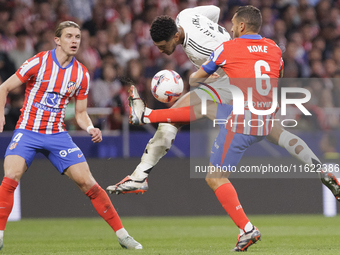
x: 13, y: 146
x: 72, y: 85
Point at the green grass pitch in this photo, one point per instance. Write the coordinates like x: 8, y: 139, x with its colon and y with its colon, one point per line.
x: 293, y: 234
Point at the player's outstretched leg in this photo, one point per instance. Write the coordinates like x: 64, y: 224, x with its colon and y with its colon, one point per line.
x: 189, y: 107
x: 140, y: 115
x: 300, y: 150
x: 157, y: 147
x: 161, y: 142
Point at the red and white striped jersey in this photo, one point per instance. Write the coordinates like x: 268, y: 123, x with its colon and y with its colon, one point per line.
x: 49, y: 89
x: 250, y: 62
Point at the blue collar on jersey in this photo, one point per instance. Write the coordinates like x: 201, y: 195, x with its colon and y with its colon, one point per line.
x: 254, y: 37
x: 56, y: 60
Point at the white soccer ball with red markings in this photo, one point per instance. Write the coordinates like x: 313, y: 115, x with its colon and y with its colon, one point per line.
x: 167, y: 86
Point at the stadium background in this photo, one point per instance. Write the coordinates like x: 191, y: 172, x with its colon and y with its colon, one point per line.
x: 117, y: 50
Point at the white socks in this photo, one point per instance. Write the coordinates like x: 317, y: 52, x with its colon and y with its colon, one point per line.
x: 157, y: 147
x: 247, y: 228
x: 147, y: 112
x: 293, y: 144
x: 122, y: 233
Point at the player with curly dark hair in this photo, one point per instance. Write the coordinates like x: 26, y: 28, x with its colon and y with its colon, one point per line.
x: 163, y: 28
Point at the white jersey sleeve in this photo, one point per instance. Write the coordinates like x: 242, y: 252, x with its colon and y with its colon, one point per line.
x: 202, y: 36
x: 212, y: 12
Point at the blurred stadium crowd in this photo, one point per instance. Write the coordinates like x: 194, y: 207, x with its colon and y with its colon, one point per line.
x: 117, y: 49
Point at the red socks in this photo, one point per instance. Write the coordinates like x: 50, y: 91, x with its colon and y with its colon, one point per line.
x: 7, y: 189
x: 174, y: 115
x: 227, y: 196
x: 104, y: 207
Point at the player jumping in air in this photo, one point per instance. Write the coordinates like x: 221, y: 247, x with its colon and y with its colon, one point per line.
x: 196, y: 29
x: 53, y: 78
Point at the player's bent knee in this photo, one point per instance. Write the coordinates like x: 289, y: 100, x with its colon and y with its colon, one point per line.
x: 212, y: 182
x: 86, y: 185
x: 14, y: 167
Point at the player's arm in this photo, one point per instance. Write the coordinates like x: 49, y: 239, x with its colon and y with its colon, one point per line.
x: 205, y: 74
x: 10, y: 84
x: 85, y: 122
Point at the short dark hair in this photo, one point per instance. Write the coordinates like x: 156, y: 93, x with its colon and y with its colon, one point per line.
x: 163, y: 28
x: 251, y: 16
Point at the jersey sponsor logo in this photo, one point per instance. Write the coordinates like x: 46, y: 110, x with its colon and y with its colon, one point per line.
x: 80, y: 155
x: 259, y: 104
x: 63, y: 153
x: 51, y: 99
x: 45, y: 108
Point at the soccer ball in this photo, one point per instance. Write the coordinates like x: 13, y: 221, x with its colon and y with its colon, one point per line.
x: 167, y: 86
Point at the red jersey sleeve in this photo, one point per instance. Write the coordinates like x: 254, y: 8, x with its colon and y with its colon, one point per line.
x: 29, y: 68
x: 219, y: 55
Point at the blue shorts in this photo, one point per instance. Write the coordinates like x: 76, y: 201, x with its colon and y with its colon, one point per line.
x: 229, y: 147
x: 222, y: 113
x: 58, y: 148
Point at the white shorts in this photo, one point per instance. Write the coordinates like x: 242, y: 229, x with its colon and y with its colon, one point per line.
x: 224, y: 93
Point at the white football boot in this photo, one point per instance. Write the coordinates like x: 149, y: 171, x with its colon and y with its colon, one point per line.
x: 129, y: 243
x: 137, y: 107
x: 129, y: 185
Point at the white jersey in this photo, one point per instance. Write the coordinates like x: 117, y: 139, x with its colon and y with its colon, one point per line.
x: 202, y: 33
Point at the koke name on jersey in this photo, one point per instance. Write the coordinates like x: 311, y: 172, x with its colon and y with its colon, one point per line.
x: 257, y: 48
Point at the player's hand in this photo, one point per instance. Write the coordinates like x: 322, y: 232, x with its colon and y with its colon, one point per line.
x: 96, y: 135
x: 2, y: 123
x: 214, y: 76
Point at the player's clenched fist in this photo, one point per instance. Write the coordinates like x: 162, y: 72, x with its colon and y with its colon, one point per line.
x: 96, y: 134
